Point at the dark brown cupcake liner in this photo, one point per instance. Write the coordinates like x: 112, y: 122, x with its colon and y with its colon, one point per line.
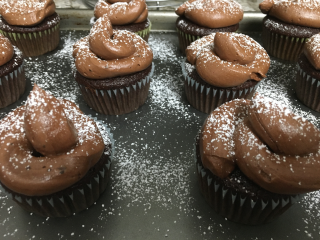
x: 282, y: 46
x: 119, y: 100
x: 36, y: 43
x: 237, y: 207
x: 12, y: 86
x: 206, y: 98
x: 308, y: 89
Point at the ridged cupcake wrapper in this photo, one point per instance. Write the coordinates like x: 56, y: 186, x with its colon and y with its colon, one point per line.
x: 12, y: 86
x: 185, y: 39
x: 36, y: 43
x: 118, y: 101
x: 308, y: 90
x: 76, y: 199
x: 144, y: 34
x: 62, y: 206
x: 281, y: 46
x: 206, y: 99
x: 238, y: 208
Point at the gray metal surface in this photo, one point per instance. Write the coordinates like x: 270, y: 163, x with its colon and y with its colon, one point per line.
x: 153, y: 193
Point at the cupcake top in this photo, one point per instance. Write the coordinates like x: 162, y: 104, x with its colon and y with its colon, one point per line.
x: 6, y: 50
x: 228, y: 59
x: 212, y: 13
x: 122, y: 12
x: 272, y: 146
x: 312, y: 50
x: 47, y: 145
x: 303, y: 12
x: 26, y: 12
x: 108, y: 53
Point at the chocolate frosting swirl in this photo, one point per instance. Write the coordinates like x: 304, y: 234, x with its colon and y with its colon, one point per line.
x: 107, y: 53
x: 212, y: 13
x: 32, y: 174
x: 228, y: 59
x: 276, y: 149
x: 122, y: 12
x: 46, y: 125
x: 26, y: 12
x: 6, y: 50
x: 217, y: 144
x: 298, y: 12
x: 312, y: 50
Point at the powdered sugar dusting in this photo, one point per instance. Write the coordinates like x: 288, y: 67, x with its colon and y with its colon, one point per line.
x: 153, y: 190
x: 214, y: 6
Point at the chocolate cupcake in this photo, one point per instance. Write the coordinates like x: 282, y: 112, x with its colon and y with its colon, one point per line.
x: 198, y: 18
x: 54, y: 161
x: 221, y: 67
x: 32, y: 26
x: 254, y: 159
x: 308, y: 74
x: 125, y: 15
x: 12, y: 77
x: 288, y: 25
x: 114, y: 69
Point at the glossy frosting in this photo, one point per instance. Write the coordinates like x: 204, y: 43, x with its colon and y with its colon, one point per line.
x: 26, y: 12
x: 6, y: 50
x: 61, y: 166
x: 217, y: 144
x: 107, y: 53
x: 312, y: 50
x: 122, y: 12
x: 298, y: 12
x: 228, y: 59
x: 212, y: 13
x: 273, y: 147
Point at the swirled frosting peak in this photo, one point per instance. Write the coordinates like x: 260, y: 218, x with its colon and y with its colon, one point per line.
x: 107, y: 45
x: 122, y: 12
x: 299, y: 12
x: 44, y: 125
x: 107, y: 53
x: 212, y: 13
x: 6, y: 50
x: 282, y: 130
x: 228, y: 59
x: 273, y: 147
x: 47, y: 128
x: 26, y: 12
x: 312, y: 50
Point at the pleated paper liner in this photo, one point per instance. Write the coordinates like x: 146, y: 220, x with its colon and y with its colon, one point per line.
x: 36, y: 43
x: 76, y: 198
x: 141, y: 29
x: 119, y: 100
x: 206, y: 98
x: 12, y: 84
x: 281, y: 46
x: 185, y: 39
x: 144, y: 34
x: 238, y: 206
x: 308, y: 89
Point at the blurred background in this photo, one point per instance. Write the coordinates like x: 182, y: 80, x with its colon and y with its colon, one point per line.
x: 153, y: 5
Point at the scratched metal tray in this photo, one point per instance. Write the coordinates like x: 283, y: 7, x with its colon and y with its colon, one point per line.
x: 153, y: 192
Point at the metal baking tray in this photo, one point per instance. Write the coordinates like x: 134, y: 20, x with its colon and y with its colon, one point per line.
x: 153, y: 192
